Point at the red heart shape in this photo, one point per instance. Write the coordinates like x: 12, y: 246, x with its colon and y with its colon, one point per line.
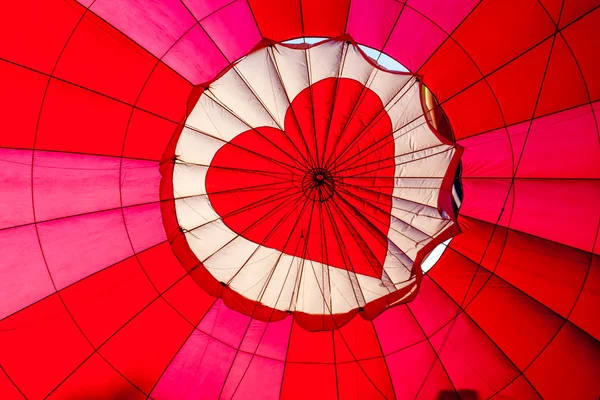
x: 322, y: 188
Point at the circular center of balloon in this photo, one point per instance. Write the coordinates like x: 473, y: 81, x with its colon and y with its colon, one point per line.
x: 318, y: 184
x: 308, y: 180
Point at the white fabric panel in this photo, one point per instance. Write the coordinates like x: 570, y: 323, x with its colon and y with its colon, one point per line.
x: 326, y: 60
x: 259, y: 73
x: 197, y: 148
x: 233, y: 94
x: 293, y: 70
x: 257, y: 92
x: 188, y: 180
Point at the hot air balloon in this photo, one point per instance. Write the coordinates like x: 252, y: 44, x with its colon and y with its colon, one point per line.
x: 299, y: 199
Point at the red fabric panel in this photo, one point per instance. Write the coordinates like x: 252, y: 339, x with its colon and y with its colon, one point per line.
x: 147, y: 135
x: 309, y: 381
x: 166, y: 94
x: 96, y: 379
x: 189, y: 300
x: 356, y: 340
x: 586, y: 311
x: 371, y: 22
x: 396, y: 328
x: 564, y: 86
x: 7, y: 388
x: 367, y: 379
x: 161, y: 266
x: 518, y: 84
x: 102, y: 59
x: 324, y: 18
x: 144, y: 347
x: 103, y: 302
x: 20, y: 102
x: 519, y: 325
x: 472, y: 360
x: 305, y: 346
x: 278, y: 20
x: 45, y: 333
x: 449, y: 70
x: 520, y: 388
x: 432, y: 308
x: 569, y: 367
x: 574, y: 9
x: 77, y: 120
x: 409, y: 368
x: 34, y: 32
x: 499, y: 30
x: 473, y: 111
x: 581, y: 37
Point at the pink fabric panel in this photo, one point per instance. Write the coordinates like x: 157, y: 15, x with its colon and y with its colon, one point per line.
x: 203, y: 8
x: 144, y: 226
x: 253, y: 378
x: 15, y: 188
x: 409, y: 367
x: 396, y: 328
x: 488, y: 155
x: 67, y: 184
x: 414, y: 39
x: 484, y: 198
x: 447, y: 17
x: 432, y: 308
x: 552, y: 151
x: 371, y: 21
x: 233, y: 29
x: 471, y: 359
x: 268, y: 339
x: 560, y: 210
x: 140, y: 182
x: 79, y: 246
x: 155, y: 25
x: 225, y: 324
x: 24, y: 278
x: 198, y: 371
x: 195, y: 57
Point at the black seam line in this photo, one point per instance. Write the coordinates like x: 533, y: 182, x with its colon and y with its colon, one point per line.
x: 33, y: 197
x: 310, y: 93
x: 378, y: 117
x: 387, y: 368
x: 376, y: 69
x: 288, y: 205
x: 281, y: 197
x: 344, y: 158
x: 272, y: 59
x: 51, y: 77
x: 273, y: 310
x: 370, y: 226
x: 359, y: 238
x: 343, y: 54
x: 258, y: 301
x: 13, y: 382
x: 598, y: 228
x: 279, y: 163
x: 332, y: 158
x: 354, y: 165
x: 436, y: 357
x: 80, y: 153
x: 394, y: 197
x: 272, y: 174
x: 344, y: 340
x: 374, y: 205
x: 508, y: 195
x: 281, y: 128
x: 483, y: 77
x: 298, y: 167
x: 348, y: 268
x: 446, y: 150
